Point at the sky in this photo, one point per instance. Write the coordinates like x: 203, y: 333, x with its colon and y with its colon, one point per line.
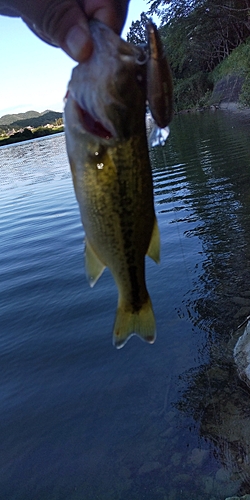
x: 34, y: 75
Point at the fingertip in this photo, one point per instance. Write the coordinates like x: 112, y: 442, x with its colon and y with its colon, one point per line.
x: 110, y: 18
x: 78, y: 43
x: 113, y: 13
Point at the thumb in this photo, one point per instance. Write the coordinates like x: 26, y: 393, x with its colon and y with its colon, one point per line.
x: 61, y: 23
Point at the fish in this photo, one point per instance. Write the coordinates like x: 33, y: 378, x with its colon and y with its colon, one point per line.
x: 106, y: 142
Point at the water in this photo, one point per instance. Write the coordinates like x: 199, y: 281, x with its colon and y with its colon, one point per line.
x: 81, y: 420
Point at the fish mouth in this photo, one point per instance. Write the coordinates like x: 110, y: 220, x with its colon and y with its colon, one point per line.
x: 91, y: 125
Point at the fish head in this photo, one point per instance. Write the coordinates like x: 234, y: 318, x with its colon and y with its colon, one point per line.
x: 108, y: 91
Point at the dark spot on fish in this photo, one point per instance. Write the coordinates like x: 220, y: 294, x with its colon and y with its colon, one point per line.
x: 92, y: 126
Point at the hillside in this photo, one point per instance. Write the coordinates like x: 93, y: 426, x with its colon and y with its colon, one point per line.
x: 199, y: 37
x: 8, y: 119
x: 30, y: 118
x: 231, y: 77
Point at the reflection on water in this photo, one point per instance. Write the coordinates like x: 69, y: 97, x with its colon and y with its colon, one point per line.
x: 164, y: 422
x: 216, y: 167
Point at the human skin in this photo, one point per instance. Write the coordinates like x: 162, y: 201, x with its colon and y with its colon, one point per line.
x: 64, y: 23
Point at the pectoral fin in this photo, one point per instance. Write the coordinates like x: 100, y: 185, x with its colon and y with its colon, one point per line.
x: 93, y: 266
x: 154, y: 245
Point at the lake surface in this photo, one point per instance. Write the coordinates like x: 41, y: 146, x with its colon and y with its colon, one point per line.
x: 80, y: 420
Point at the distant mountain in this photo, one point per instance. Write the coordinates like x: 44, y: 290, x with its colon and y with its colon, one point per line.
x: 39, y: 121
x: 8, y: 119
x: 30, y: 118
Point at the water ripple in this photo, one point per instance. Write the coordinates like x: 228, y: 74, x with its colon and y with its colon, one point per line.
x: 70, y: 404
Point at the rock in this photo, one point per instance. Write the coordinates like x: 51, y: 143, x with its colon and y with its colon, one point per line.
x: 124, y: 472
x: 208, y: 483
x: 241, y: 301
x: 242, y: 313
x: 176, y: 458
x: 227, y: 90
x: 245, y: 497
x: 198, y: 457
x: 242, y: 355
x: 167, y: 433
x: 182, y: 479
x: 222, y: 475
x: 170, y: 415
x: 225, y: 490
x: 246, y: 293
x: 149, y: 467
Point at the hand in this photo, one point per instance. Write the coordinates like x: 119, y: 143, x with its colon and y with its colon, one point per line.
x: 64, y: 23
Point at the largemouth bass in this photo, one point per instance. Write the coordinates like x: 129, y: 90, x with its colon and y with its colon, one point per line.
x: 108, y: 153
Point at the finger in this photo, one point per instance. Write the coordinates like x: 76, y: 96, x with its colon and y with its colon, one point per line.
x: 111, y: 12
x: 61, y: 23
x: 8, y: 11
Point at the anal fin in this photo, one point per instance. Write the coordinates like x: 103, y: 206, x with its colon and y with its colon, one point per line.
x: 93, y: 266
x: 154, y: 245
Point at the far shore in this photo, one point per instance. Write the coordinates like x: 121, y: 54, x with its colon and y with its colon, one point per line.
x: 232, y: 107
x: 27, y: 134
x: 235, y: 108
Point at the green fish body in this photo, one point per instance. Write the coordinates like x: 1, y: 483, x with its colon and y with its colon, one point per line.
x: 108, y: 153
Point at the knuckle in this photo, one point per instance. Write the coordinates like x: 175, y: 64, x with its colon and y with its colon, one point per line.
x: 56, y: 19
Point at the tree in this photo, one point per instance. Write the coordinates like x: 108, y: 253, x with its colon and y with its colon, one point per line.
x: 205, y: 30
x: 58, y: 122
x: 137, y: 32
x: 197, y: 35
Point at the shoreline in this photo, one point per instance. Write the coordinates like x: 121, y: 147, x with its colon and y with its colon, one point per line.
x: 231, y: 107
x: 28, y: 135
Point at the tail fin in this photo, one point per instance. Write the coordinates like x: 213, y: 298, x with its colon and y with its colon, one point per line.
x: 128, y: 323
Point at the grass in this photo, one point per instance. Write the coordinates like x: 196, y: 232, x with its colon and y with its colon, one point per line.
x: 237, y: 63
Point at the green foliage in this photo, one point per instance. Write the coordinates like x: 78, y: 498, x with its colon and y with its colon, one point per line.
x: 40, y: 121
x: 22, y: 135
x: 237, y: 63
x: 137, y: 32
x: 192, y: 92
x: 201, y: 38
x: 245, y: 92
x: 59, y: 122
x: 204, y: 32
x: 26, y: 134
